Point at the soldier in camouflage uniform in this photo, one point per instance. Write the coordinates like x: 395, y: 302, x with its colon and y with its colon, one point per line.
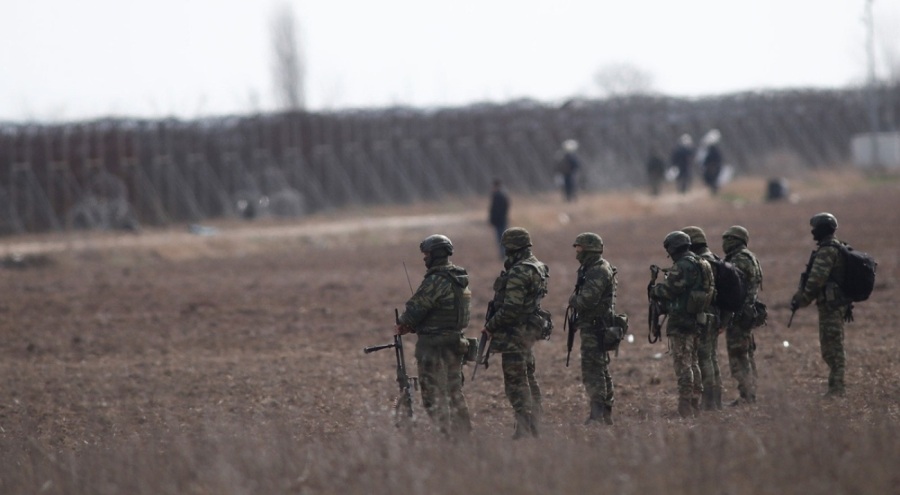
x: 708, y: 342
x: 739, y: 334
x: 827, y: 267
x: 687, y: 292
x: 593, y: 300
x: 514, y: 326
x: 438, y: 313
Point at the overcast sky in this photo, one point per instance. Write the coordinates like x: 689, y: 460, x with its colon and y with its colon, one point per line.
x: 70, y: 60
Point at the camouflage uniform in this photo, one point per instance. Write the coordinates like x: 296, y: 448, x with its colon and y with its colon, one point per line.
x: 593, y: 301
x: 708, y: 339
x: 438, y: 312
x: 739, y: 334
x: 826, y: 269
x: 687, y: 291
x: 517, y: 294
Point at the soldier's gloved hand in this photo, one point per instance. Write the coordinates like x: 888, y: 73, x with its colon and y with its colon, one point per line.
x: 486, y: 331
x: 403, y: 329
x: 794, y: 304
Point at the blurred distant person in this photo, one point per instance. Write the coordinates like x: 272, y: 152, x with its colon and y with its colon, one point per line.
x: 567, y: 167
x: 498, y: 214
x: 682, y: 157
x: 712, y: 160
x: 656, y: 172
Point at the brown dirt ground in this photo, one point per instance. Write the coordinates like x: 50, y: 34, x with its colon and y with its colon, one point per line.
x: 114, y: 335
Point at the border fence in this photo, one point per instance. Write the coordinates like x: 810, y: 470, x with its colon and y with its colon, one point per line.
x: 120, y: 174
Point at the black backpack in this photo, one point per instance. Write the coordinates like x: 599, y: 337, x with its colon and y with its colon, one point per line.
x: 859, y: 273
x: 730, y: 288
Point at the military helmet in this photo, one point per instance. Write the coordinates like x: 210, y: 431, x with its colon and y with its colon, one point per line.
x: 589, y: 242
x: 675, y: 240
x: 696, y: 234
x: 823, y: 220
x: 515, y: 238
x: 436, y: 241
x: 737, y: 232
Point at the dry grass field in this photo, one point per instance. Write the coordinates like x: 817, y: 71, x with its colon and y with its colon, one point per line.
x: 169, y: 362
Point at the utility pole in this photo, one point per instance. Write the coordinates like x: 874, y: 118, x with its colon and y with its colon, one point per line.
x: 871, y: 84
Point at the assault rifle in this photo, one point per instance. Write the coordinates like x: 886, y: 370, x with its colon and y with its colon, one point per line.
x: 571, y: 321
x: 657, y: 314
x: 403, y: 410
x: 803, y: 277
x: 484, y: 344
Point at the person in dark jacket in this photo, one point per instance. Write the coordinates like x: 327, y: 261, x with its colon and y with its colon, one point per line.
x: 498, y: 215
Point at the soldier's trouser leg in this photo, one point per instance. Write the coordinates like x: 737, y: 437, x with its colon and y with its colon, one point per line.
x: 517, y: 386
x: 433, y: 375
x: 709, y: 368
x: 683, y: 352
x: 537, y: 404
x: 695, y: 372
x: 831, y: 341
x: 595, y: 369
x: 707, y: 374
x: 460, y: 421
x: 717, y: 372
x: 738, y: 340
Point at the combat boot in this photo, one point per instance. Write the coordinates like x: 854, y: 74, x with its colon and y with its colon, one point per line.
x: 685, y: 410
x: 708, y: 400
x: 534, y: 424
x: 523, y: 427
x: 607, y: 415
x: 695, y: 405
x: 597, y: 412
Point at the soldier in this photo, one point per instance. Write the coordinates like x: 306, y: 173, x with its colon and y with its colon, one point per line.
x: 739, y: 334
x: 515, y: 326
x: 826, y: 267
x: 708, y: 342
x: 593, y: 300
x: 438, y: 313
x: 687, y: 292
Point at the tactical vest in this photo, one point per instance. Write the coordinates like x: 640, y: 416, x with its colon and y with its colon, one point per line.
x: 698, y: 298
x: 454, y: 316
x: 603, y: 313
x: 532, y: 305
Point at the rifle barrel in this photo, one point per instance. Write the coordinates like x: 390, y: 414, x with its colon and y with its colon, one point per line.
x: 374, y: 348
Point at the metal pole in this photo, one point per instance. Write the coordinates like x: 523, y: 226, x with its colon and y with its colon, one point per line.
x: 872, y: 83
